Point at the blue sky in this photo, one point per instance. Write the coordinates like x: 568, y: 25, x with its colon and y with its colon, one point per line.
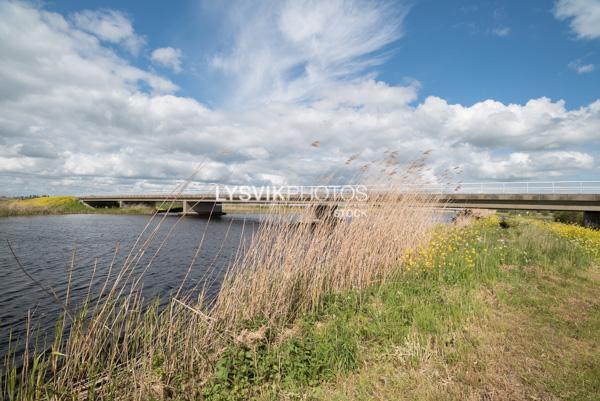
x: 115, y: 96
x: 463, y: 51
x: 457, y: 51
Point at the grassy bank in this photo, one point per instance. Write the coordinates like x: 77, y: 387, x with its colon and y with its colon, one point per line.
x: 475, y: 312
x: 242, y: 208
x: 59, y: 205
x: 480, y: 312
x: 498, y: 314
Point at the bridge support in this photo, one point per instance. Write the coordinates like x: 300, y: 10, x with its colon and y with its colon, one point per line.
x: 205, y: 209
x: 591, y: 220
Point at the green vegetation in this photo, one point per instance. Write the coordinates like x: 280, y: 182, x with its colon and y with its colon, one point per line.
x: 169, y: 207
x: 583, y: 238
x: 484, y: 311
x: 59, y: 205
x: 245, y: 208
x: 569, y: 217
x: 478, y: 312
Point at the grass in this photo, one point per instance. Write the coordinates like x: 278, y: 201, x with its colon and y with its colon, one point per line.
x: 588, y: 240
x: 113, y: 347
x: 59, y: 205
x: 47, y: 205
x: 482, y: 313
x: 388, y: 307
x: 243, y: 208
x: 521, y: 322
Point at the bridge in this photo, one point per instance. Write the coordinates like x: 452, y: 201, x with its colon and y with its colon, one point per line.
x: 583, y: 196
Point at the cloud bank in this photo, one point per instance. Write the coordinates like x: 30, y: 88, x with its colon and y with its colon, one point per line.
x: 77, y: 117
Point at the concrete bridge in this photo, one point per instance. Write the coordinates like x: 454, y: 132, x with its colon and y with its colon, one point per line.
x: 581, y: 196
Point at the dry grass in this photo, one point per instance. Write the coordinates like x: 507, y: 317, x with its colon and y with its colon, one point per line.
x: 115, y: 348
x: 289, y: 267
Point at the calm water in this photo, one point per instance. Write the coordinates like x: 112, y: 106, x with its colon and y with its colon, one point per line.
x: 44, y: 245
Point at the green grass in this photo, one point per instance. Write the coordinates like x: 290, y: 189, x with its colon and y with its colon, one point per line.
x: 433, y: 319
x: 481, y: 312
x: 60, y: 205
x: 245, y: 208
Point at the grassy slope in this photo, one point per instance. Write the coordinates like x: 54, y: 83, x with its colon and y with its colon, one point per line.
x: 58, y: 205
x: 484, y: 313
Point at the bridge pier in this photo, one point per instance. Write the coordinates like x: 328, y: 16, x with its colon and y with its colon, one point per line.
x: 205, y: 209
x: 591, y: 220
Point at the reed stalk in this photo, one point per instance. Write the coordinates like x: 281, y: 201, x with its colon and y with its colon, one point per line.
x: 117, y: 347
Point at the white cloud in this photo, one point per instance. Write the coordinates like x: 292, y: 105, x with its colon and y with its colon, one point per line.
x: 585, y: 68
x: 367, y: 93
x: 110, y: 26
x: 502, y: 31
x: 74, y: 119
x: 580, y: 67
x: 167, y: 57
x: 529, y: 166
x: 584, y: 16
x: 285, y: 51
x: 56, y: 56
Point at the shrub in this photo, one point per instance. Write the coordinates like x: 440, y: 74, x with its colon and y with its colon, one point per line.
x: 569, y: 217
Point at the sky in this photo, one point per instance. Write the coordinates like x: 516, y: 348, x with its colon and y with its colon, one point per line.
x: 131, y: 96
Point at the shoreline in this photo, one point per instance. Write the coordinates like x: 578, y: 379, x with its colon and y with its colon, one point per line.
x: 451, y: 302
x: 69, y: 205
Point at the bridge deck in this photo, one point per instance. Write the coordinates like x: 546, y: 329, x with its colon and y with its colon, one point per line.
x: 569, y: 202
x: 566, y: 202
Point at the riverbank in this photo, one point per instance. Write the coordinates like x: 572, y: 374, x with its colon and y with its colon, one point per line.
x: 498, y: 314
x: 478, y: 312
x: 481, y: 312
x: 56, y: 205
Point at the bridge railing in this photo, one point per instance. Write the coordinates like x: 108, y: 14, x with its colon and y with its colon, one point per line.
x: 515, y: 187
x: 508, y: 187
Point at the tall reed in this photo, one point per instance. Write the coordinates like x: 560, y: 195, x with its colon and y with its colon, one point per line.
x: 117, y: 348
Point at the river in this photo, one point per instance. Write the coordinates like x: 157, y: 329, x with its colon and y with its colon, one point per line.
x: 44, y: 246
